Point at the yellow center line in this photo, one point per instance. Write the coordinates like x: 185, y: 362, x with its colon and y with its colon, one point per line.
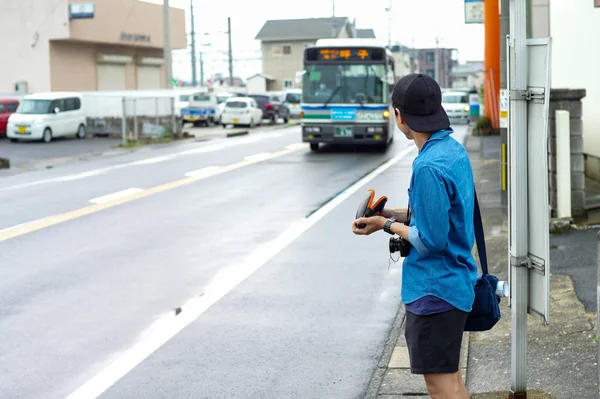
x: 39, y: 224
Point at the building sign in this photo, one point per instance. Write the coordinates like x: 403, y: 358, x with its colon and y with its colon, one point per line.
x: 134, y: 37
x: 473, y: 11
x: 81, y: 10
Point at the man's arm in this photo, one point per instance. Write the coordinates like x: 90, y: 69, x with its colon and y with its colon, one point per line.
x: 400, y: 214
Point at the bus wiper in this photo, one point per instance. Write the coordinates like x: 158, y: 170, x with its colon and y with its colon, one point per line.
x: 331, y: 96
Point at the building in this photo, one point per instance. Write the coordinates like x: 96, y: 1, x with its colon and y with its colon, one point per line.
x: 259, y: 83
x: 84, y: 46
x: 470, y: 75
x: 283, y: 43
x: 447, y: 58
x: 573, y: 28
x: 405, y: 60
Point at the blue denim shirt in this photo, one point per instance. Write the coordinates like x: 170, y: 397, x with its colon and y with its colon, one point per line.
x: 441, y: 198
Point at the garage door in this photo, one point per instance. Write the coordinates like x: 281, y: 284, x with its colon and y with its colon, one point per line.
x: 111, y: 77
x: 148, y: 77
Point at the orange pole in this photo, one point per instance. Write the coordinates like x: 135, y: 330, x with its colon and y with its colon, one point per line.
x: 491, y: 61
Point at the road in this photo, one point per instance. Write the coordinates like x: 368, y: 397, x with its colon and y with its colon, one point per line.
x: 223, y: 269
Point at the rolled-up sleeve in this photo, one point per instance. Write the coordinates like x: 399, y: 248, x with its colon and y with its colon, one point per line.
x: 431, y: 205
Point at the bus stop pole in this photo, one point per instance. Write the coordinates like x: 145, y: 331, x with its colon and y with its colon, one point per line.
x: 518, y: 197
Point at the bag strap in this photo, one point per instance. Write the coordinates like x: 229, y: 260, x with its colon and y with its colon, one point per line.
x: 479, y: 236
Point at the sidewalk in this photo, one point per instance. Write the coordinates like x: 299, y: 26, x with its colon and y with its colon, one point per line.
x: 561, y: 356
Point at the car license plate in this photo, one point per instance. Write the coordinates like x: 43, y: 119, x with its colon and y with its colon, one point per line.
x: 343, y: 131
x: 21, y: 129
x: 294, y: 105
x: 236, y: 120
x: 192, y: 118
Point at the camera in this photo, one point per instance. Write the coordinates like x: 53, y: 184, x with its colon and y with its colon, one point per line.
x: 399, y: 244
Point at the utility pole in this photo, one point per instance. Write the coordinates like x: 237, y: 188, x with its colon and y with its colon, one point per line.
x: 436, y: 61
x: 519, y: 212
x: 167, y: 45
x: 389, y: 10
x: 504, y: 31
x: 194, y: 80
x: 230, y: 53
x: 201, y: 69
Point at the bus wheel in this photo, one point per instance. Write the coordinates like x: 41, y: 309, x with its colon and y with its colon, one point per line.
x: 314, y: 147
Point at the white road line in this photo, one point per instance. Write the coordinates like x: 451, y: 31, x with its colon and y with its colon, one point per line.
x: 82, y: 175
x: 169, y: 325
x: 118, y: 194
x: 296, y: 146
x: 204, y: 171
x: 148, y: 161
x: 258, y: 157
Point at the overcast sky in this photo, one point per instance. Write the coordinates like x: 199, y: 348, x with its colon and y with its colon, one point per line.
x: 421, y: 20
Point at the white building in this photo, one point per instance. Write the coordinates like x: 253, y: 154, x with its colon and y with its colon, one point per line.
x: 573, y: 26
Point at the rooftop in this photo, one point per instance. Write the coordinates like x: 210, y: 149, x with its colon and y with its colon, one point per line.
x: 301, y: 29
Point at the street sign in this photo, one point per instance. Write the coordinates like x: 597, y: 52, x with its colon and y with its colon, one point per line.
x: 538, y: 108
x: 473, y: 11
x: 538, y: 53
x: 504, y: 109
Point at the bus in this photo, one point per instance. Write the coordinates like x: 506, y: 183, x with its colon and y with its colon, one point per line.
x: 346, y: 93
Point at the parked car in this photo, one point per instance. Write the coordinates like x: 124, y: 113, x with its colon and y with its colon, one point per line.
x: 43, y: 116
x: 221, y: 99
x: 292, y: 99
x: 7, y: 107
x: 456, y: 105
x: 241, y: 111
x: 272, y: 107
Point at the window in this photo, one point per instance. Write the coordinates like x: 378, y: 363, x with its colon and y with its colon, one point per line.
x: 282, y: 50
x: 288, y: 84
x: 12, y: 107
x: 431, y: 73
x: 70, y: 104
x: 345, y: 84
x: 287, y: 50
x: 35, y: 107
x: 2, y: 109
x: 430, y: 57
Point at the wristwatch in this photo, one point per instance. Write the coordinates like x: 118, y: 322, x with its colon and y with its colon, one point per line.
x: 388, y: 224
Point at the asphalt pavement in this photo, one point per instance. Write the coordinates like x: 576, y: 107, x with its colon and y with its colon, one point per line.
x: 212, y: 269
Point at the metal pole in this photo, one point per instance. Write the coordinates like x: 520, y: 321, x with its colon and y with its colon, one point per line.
x: 598, y: 308
x: 124, y: 123
x: 504, y: 31
x: 519, y: 223
x: 436, y: 62
x: 167, y: 45
x: 390, y: 25
x: 230, y: 53
x: 173, y: 119
x: 193, y: 44
x: 135, y: 121
x: 156, y: 110
x: 563, y: 164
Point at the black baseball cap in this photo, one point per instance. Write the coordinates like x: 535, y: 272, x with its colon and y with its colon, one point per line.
x: 419, y: 99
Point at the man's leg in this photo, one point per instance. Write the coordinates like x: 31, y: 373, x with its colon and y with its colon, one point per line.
x: 446, y: 386
x: 434, y: 343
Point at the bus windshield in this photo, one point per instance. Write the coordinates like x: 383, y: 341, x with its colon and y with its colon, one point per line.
x: 345, y: 84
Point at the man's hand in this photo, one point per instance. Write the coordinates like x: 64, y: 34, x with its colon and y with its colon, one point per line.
x: 372, y: 224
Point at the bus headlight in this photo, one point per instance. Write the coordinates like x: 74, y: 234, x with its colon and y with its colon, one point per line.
x: 386, y: 114
x: 374, y: 130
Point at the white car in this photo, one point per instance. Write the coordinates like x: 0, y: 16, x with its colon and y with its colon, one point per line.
x: 456, y: 105
x: 43, y: 116
x: 241, y: 111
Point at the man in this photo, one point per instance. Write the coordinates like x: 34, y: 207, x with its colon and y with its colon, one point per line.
x: 439, y: 273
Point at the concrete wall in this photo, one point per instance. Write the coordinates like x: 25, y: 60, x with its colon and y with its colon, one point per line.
x: 26, y: 27
x: 568, y: 100
x: 73, y: 65
x: 283, y: 67
x: 114, y: 17
x: 575, y: 60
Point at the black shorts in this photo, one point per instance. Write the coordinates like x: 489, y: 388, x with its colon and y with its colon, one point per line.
x: 434, y: 341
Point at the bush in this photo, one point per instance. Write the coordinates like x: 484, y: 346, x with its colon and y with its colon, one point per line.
x: 484, y: 123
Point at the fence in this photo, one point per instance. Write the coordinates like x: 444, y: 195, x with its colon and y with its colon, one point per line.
x: 130, y: 116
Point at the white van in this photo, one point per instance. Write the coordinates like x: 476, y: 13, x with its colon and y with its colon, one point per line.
x: 43, y: 116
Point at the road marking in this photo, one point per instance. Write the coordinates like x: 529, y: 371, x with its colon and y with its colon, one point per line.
x: 258, y: 157
x: 297, y: 146
x: 167, y: 326
x: 204, y: 171
x: 203, y: 149
x: 117, y: 195
x: 39, y: 224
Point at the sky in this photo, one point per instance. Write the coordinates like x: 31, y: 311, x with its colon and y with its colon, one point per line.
x: 413, y: 21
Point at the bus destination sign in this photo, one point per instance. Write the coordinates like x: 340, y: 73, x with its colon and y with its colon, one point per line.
x: 340, y: 54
